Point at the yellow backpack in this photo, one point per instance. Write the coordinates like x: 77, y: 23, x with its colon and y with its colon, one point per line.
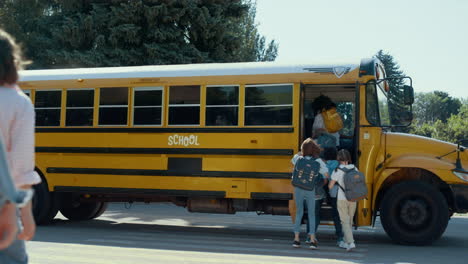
x: 332, y: 120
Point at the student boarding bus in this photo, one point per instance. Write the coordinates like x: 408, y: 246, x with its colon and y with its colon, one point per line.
x: 218, y: 138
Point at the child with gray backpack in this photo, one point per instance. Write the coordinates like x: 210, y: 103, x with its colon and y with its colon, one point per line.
x: 350, y: 182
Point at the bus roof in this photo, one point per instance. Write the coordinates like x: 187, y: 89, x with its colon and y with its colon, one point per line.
x: 185, y: 70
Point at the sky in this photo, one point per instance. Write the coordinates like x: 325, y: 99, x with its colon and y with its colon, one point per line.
x: 427, y: 38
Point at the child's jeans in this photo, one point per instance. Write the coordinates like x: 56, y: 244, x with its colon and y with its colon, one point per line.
x: 309, y: 196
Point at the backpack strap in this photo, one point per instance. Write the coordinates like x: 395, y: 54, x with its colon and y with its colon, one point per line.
x: 346, y: 170
x: 340, y: 187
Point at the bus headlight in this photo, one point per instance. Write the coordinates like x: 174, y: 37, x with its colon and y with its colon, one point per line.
x: 461, y: 174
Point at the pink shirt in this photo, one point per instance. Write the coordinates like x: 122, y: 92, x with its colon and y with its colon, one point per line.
x: 17, y: 131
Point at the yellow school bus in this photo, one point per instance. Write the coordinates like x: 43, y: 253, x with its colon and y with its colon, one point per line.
x: 218, y: 138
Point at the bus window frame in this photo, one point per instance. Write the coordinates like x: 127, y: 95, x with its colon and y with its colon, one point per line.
x: 112, y: 106
x: 40, y: 108
x: 212, y: 106
x: 148, y: 88
x: 260, y: 106
x: 85, y: 107
x: 169, y: 105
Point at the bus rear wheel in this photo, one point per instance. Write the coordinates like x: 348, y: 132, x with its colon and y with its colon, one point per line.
x: 81, y: 211
x: 414, y: 213
x: 44, y: 204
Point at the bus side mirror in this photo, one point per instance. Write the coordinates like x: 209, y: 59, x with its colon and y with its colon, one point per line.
x: 408, y: 95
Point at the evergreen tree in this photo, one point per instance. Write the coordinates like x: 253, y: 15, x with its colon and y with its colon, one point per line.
x: 392, y: 68
x: 95, y: 33
x: 254, y: 44
x: 399, y: 113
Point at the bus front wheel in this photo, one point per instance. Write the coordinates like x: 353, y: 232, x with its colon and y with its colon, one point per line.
x: 414, y: 213
x: 81, y: 211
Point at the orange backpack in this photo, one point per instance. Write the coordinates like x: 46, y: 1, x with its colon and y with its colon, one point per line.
x: 332, y: 120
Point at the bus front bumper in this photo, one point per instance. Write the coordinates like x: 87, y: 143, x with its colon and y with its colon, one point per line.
x: 460, y: 197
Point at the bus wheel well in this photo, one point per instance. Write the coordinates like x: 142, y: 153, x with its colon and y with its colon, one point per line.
x: 411, y: 174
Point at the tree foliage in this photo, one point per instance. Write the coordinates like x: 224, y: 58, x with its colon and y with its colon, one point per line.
x: 453, y: 130
x: 94, y: 33
x: 398, y: 112
x: 437, y: 105
x: 392, y: 69
x: 435, y: 114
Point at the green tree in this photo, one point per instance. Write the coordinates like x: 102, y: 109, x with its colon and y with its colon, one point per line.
x: 395, y: 94
x: 392, y: 69
x: 254, y: 45
x: 453, y: 130
x: 94, y: 33
x: 433, y: 106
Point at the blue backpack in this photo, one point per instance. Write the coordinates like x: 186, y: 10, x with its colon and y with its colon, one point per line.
x: 326, y: 140
x: 305, y: 174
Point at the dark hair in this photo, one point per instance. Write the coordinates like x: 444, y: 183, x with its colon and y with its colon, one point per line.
x: 11, y: 60
x: 329, y: 153
x: 322, y: 102
x: 344, y: 155
x: 310, y: 148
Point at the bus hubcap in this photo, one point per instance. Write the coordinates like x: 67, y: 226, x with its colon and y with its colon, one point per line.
x: 414, y: 212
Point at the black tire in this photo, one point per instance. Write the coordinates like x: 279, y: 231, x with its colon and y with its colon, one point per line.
x: 44, y: 204
x: 414, y: 213
x: 81, y: 211
x: 101, y: 210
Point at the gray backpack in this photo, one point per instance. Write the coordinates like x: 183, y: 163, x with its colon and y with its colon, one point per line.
x: 355, y: 188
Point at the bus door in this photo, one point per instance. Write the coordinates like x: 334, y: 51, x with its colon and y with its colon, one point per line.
x: 345, y: 98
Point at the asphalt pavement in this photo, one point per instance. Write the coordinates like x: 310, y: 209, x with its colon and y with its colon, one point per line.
x: 164, y: 233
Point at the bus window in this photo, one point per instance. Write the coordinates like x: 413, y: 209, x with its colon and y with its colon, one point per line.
x: 184, y: 105
x: 383, y: 106
x: 372, y: 111
x: 27, y: 92
x: 80, y: 107
x: 147, y: 103
x: 222, y: 104
x: 113, y: 106
x: 48, y: 106
x: 346, y: 110
x: 268, y: 104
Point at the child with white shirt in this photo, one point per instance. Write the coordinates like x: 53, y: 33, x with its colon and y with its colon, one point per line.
x: 346, y: 209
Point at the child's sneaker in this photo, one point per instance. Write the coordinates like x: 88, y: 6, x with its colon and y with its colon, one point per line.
x: 307, y: 240
x: 313, y: 245
x: 339, y: 241
x: 296, y: 244
x: 342, y: 244
x: 350, y: 246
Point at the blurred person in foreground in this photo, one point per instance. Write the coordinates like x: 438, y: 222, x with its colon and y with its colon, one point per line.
x: 17, y: 130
